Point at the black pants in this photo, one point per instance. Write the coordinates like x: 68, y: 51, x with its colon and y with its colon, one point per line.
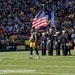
x: 43, y: 49
x: 68, y: 50
x: 31, y: 51
x: 0, y: 46
x: 64, y: 49
x: 57, y: 46
x: 50, y: 48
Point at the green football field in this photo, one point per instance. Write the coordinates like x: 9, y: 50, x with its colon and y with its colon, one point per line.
x: 18, y: 63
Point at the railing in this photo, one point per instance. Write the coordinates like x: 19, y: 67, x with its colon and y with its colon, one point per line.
x: 20, y: 46
x: 15, y: 46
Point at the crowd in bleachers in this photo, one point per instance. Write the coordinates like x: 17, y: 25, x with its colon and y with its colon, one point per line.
x: 16, y: 15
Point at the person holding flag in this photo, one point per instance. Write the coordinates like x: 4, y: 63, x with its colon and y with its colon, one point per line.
x: 33, y: 43
x: 39, y: 21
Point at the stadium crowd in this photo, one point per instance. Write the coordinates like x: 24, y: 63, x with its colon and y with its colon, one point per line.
x: 16, y: 16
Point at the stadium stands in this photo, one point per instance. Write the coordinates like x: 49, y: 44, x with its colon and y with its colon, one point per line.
x: 16, y: 15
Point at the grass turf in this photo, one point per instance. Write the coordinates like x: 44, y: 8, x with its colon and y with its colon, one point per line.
x: 18, y: 63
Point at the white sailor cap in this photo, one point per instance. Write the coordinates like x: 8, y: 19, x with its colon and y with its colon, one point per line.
x: 57, y: 32
x: 50, y: 29
x: 63, y: 31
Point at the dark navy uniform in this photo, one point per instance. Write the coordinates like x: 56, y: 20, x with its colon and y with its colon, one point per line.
x: 64, y: 39
x: 43, y: 43
x: 57, y: 43
x: 50, y: 42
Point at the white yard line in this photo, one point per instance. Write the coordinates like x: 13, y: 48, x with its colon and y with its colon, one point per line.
x: 58, y: 61
x: 1, y: 59
x: 33, y: 72
x: 42, y: 66
x: 16, y: 71
x: 38, y: 61
x: 47, y: 73
x: 53, y: 73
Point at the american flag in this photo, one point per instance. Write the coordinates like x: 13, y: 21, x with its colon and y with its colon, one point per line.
x: 40, y: 20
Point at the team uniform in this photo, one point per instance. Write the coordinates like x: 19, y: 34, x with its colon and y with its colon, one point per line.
x: 33, y: 44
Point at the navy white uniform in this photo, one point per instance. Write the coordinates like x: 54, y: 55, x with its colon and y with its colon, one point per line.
x: 50, y: 42
x: 64, y: 39
x: 43, y: 43
x: 57, y: 43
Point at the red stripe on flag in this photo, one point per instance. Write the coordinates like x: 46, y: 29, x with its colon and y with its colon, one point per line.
x: 37, y: 23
